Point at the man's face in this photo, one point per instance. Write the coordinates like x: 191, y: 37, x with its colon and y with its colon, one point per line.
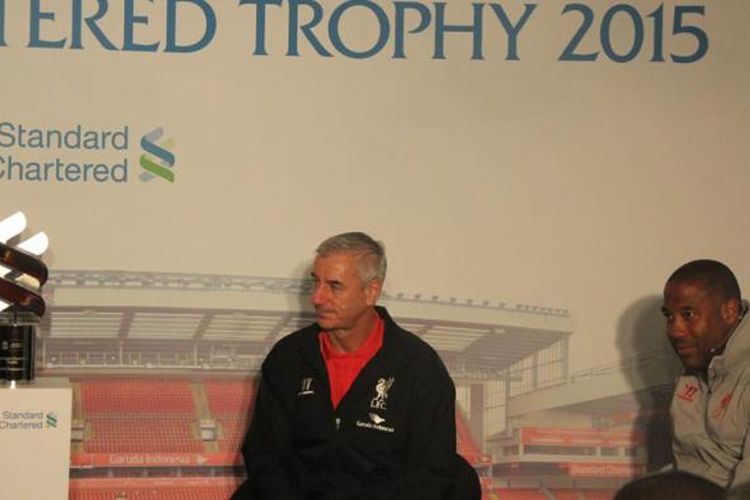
x: 697, y: 321
x: 340, y: 298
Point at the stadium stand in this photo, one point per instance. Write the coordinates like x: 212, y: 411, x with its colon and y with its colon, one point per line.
x: 556, y: 494
x: 139, y: 415
x: 146, y: 351
x: 166, y: 415
x: 233, y: 432
x: 152, y: 494
x: 227, y: 396
x: 568, y: 495
x: 150, y: 489
x: 142, y: 435
x: 229, y: 402
x: 520, y: 494
x: 599, y: 494
x: 143, y: 396
x: 467, y: 446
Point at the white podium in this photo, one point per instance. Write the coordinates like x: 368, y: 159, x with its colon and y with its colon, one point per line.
x: 35, y: 438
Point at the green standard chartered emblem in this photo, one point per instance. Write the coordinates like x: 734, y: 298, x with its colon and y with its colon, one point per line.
x: 157, y: 160
x: 41, y: 154
x: 50, y: 421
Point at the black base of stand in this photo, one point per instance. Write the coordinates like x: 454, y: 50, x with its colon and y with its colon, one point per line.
x: 17, y: 352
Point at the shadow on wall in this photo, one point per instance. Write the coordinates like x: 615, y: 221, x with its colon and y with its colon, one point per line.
x: 302, y: 272
x: 651, y: 368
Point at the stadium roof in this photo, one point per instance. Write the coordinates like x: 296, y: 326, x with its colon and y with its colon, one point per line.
x: 254, y: 312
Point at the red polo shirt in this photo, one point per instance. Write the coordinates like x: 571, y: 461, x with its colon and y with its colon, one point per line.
x: 343, y: 367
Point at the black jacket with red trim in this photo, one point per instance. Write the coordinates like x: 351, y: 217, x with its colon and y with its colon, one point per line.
x: 393, y: 435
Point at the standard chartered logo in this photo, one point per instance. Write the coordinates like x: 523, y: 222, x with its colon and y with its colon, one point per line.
x: 28, y: 420
x: 152, y: 150
x: 50, y: 421
x: 31, y: 153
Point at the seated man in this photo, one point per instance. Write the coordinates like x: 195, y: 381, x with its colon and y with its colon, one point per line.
x: 711, y: 404
x: 353, y: 406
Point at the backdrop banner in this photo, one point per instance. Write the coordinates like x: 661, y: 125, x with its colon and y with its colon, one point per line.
x: 535, y: 170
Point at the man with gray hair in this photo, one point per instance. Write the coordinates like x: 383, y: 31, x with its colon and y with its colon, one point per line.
x: 353, y: 406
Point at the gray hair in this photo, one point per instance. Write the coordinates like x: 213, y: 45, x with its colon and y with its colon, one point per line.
x: 370, y: 254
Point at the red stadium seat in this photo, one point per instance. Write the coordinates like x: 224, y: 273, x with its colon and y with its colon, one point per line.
x: 141, y: 435
x: 142, y: 396
x: 232, y: 397
x: 153, y: 493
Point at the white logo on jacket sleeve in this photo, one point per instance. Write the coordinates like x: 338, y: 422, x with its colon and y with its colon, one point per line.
x: 305, y: 387
x: 381, y: 391
x: 688, y: 392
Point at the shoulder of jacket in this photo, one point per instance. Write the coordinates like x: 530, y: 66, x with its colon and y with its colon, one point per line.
x: 415, y: 344
x: 293, y: 343
x: 419, y: 354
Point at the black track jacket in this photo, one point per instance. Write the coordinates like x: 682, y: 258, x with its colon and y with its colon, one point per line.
x: 393, y: 435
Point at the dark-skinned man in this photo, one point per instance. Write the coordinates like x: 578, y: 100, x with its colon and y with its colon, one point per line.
x: 711, y: 405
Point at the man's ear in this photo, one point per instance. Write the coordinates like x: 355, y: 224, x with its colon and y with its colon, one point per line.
x: 731, y: 310
x: 372, y: 291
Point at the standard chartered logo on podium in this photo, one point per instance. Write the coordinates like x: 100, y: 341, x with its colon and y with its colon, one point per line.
x: 31, y: 153
x: 50, y: 420
x: 28, y: 420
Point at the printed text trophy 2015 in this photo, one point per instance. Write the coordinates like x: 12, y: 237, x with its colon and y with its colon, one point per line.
x: 22, y: 274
